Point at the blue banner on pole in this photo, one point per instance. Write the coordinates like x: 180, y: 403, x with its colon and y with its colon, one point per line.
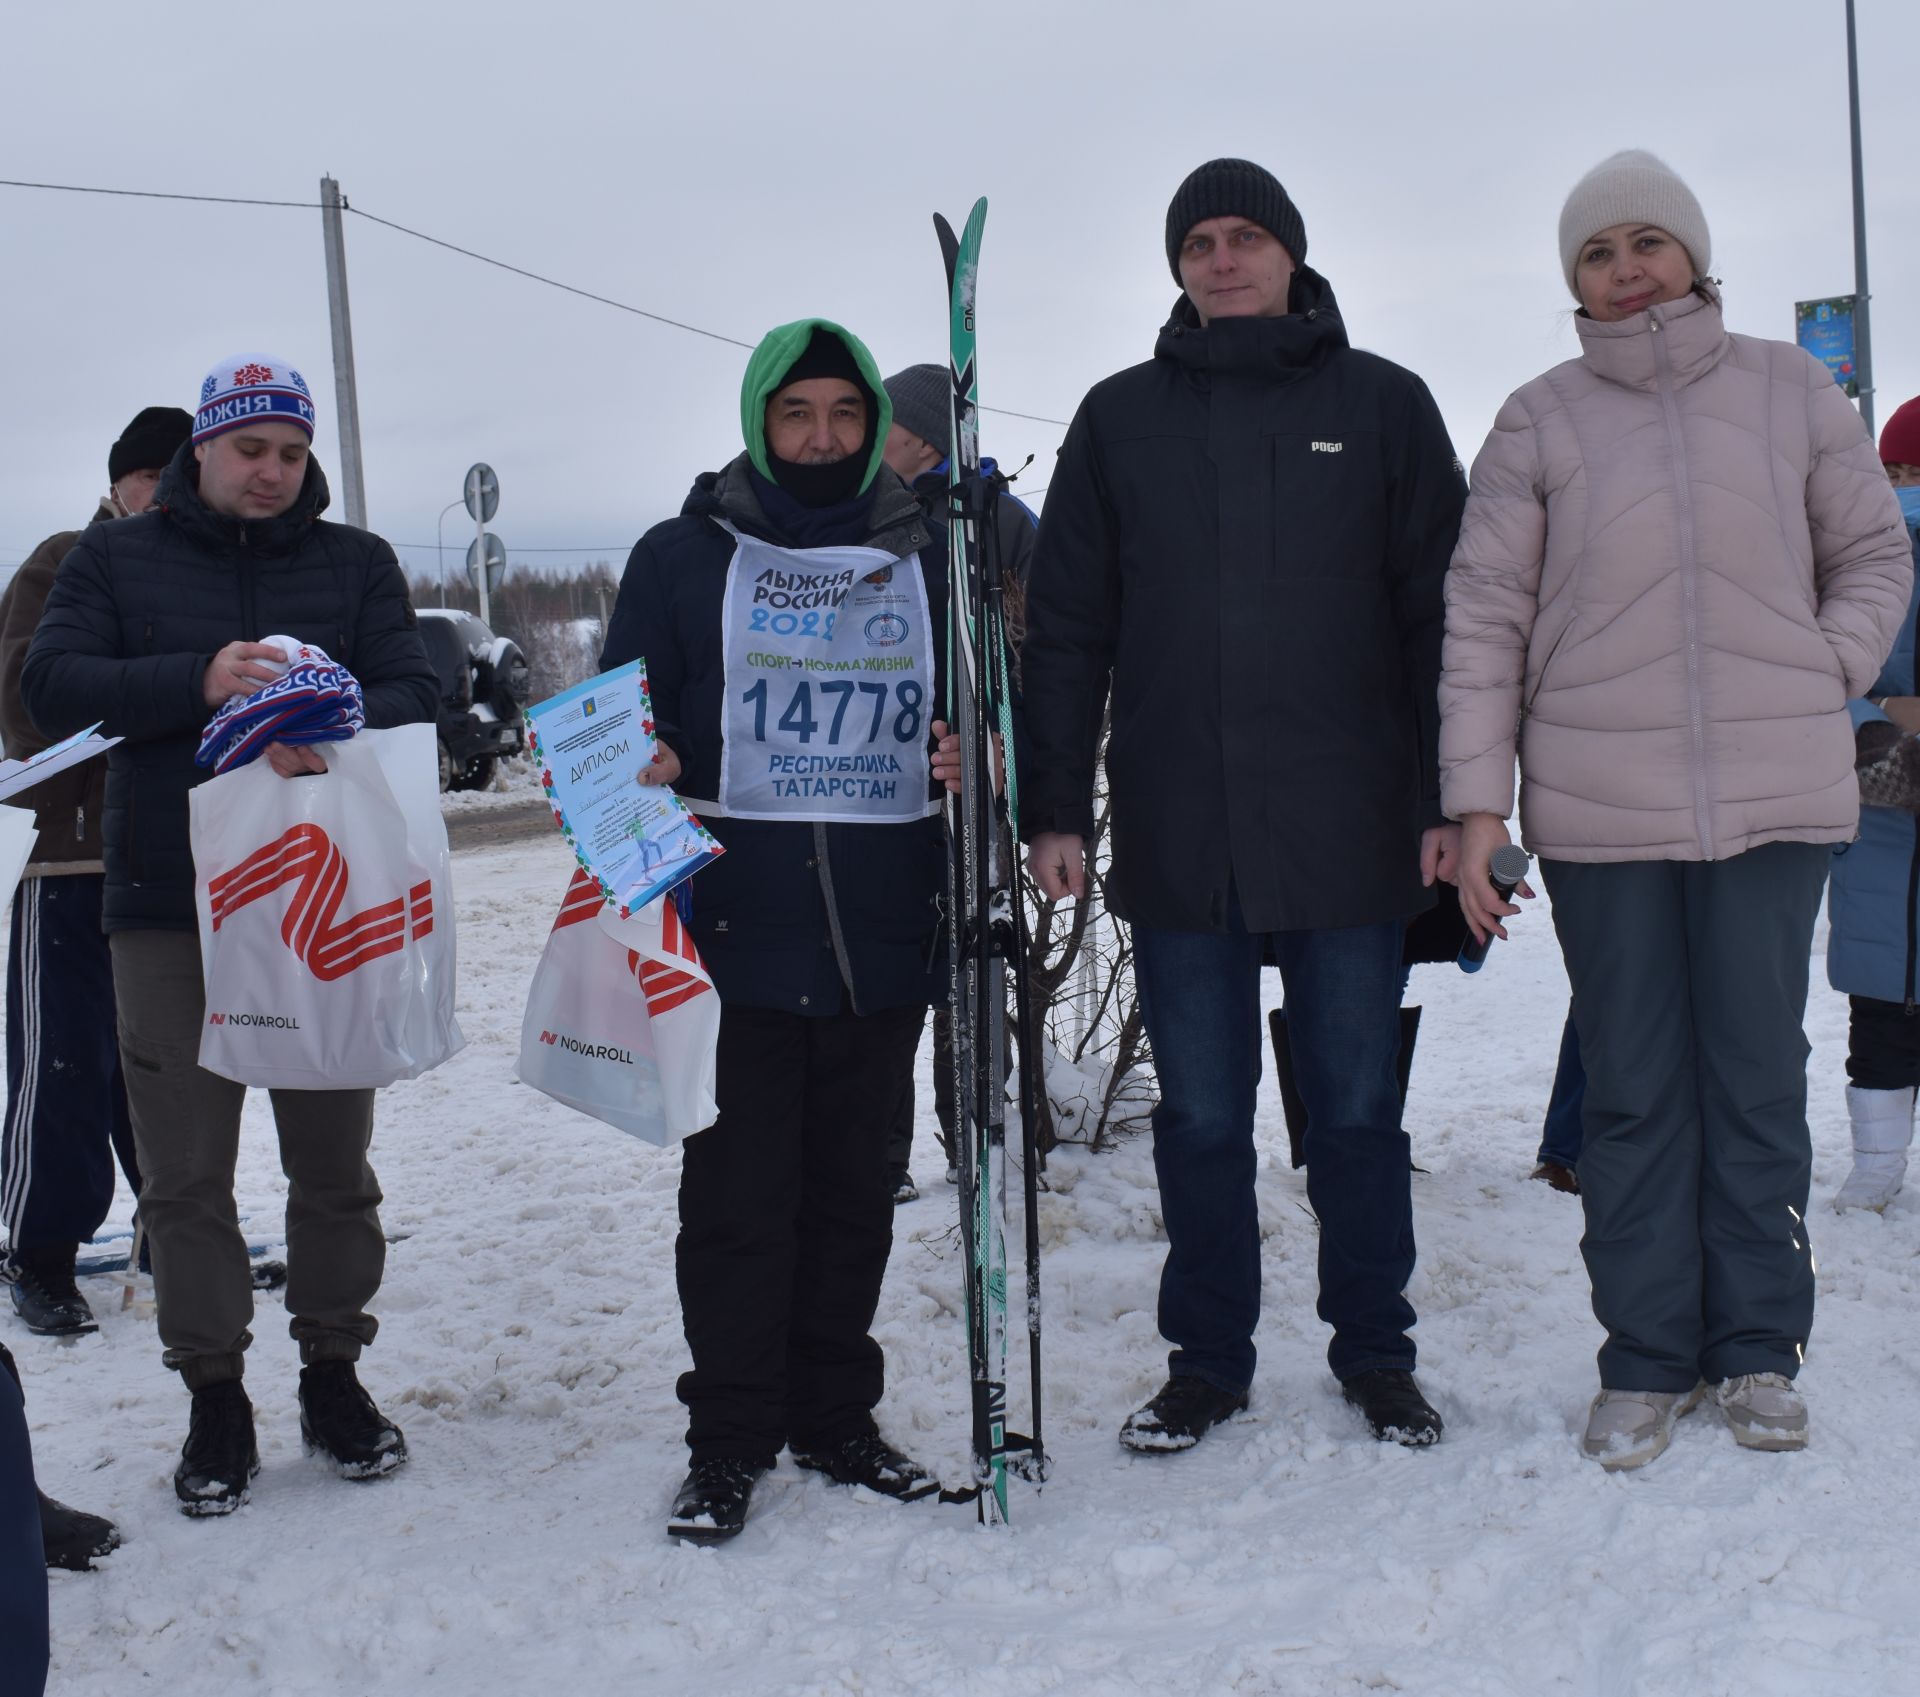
x: 1825, y: 330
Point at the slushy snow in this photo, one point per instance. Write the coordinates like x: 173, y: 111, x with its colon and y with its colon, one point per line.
x: 531, y: 1337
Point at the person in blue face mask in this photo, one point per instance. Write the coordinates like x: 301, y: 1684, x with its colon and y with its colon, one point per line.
x: 1873, y: 942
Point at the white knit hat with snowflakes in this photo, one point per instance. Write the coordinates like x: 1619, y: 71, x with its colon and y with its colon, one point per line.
x: 252, y: 389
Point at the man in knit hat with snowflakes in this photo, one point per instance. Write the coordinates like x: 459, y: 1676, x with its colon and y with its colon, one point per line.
x: 153, y: 625
x: 1241, y: 558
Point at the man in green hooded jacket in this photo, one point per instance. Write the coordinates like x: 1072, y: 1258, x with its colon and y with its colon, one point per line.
x: 789, y: 621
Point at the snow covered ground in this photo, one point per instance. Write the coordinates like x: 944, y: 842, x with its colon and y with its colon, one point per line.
x: 531, y: 1339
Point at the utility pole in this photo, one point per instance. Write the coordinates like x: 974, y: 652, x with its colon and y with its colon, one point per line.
x: 1862, y: 341
x: 346, y: 392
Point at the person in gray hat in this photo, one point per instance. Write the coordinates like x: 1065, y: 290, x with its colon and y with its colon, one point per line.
x: 917, y: 449
x: 1241, y: 563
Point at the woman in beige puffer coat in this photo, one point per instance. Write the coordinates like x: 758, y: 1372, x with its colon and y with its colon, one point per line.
x: 1679, y: 558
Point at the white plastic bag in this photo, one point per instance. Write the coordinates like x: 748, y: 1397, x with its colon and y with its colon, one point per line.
x: 622, y: 1019
x: 326, y: 918
x: 17, y: 836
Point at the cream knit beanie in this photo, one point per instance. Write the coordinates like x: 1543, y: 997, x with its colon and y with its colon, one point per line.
x: 1632, y: 187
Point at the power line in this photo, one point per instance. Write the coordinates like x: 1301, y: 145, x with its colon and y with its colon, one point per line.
x: 156, y: 194
x: 453, y: 247
x: 551, y: 282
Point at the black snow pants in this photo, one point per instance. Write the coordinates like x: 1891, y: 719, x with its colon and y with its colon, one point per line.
x: 786, y: 1221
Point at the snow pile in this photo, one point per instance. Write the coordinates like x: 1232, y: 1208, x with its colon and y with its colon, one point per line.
x: 516, y: 783
x: 531, y: 1339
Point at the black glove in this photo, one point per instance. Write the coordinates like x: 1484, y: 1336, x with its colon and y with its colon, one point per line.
x: 1887, y: 763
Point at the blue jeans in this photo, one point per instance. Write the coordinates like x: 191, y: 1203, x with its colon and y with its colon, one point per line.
x: 1200, y: 996
x: 1560, y: 1135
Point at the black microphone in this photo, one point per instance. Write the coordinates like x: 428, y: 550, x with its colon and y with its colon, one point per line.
x: 1505, y: 872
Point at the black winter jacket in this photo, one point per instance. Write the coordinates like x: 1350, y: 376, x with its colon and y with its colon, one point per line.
x: 1246, y: 538
x: 795, y: 915
x: 141, y: 605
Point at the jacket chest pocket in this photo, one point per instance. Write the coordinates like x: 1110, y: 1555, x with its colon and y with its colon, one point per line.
x: 1328, y: 513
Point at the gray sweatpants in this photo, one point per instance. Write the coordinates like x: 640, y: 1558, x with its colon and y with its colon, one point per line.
x: 186, y: 1130
x: 1689, y: 994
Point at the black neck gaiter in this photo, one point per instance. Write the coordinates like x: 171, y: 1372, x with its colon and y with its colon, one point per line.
x: 821, y: 485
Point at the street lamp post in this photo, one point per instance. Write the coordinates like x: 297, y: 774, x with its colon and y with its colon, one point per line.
x: 440, y: 543
x: 1862, y: 342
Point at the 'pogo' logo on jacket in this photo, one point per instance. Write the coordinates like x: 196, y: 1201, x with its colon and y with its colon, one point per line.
x: 330, y: 945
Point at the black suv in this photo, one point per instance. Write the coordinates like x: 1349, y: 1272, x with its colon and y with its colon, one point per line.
x: 483, y: 685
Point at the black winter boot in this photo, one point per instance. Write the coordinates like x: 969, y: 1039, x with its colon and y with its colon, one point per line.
x: 713, y: 1501
x: 220, y: 1459
x: 1395, y: 1410
x: 1182, y: 1413
x: 339, y: 1420
x: 44, y: 1294
x: 72, y: 1539
x: 871, y: 1461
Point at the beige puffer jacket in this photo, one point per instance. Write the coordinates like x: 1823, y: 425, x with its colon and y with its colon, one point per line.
x: 1679, y: 558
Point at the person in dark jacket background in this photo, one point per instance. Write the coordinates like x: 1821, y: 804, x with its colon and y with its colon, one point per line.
x: 786, y: 619
x: 66, y: 1104
x: 153, y: 623
x: 1242, y: 554
x: 917, y: 449
x: 25, y: 1647
x: 1873, y: 936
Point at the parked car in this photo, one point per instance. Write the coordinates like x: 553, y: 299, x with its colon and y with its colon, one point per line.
x: 484, y: 683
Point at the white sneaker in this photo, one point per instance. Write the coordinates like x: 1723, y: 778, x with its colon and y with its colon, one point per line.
x: 1764, y: 1410
x: 1882, y: 1130
x: 1627, y: 1429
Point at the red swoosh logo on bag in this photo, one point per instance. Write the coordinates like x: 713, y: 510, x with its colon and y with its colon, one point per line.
x: 665, y: 987
x: 331, y: 946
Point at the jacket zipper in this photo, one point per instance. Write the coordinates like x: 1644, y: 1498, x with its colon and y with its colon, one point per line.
x: 1689, y: 589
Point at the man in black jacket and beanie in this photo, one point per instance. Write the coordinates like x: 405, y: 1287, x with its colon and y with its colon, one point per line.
x: 787, y: 620
x: 1241, y: 559
x: 154, y: 622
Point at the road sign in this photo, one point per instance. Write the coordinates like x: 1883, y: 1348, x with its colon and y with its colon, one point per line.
x: 496, y: 561
x: 482, y: 490
x: 1825, y: 330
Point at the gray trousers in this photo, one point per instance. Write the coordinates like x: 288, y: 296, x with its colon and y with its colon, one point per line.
x: 186, y: 1129
x: 1689, y: 994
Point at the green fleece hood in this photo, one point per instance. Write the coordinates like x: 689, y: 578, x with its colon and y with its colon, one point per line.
x: 767, y: 369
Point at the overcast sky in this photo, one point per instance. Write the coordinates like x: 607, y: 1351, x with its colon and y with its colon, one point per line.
x: 736, y: 166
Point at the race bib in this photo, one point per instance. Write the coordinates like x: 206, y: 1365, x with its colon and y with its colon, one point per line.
x: 829, y: 685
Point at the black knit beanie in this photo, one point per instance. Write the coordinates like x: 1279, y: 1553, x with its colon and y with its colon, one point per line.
x: 1234, y: 188
x: 149, y: 442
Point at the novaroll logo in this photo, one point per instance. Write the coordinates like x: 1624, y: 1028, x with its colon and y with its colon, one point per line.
x: 331, y: 946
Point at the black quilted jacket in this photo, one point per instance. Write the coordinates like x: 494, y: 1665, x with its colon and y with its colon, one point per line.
x: 138, y: 609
